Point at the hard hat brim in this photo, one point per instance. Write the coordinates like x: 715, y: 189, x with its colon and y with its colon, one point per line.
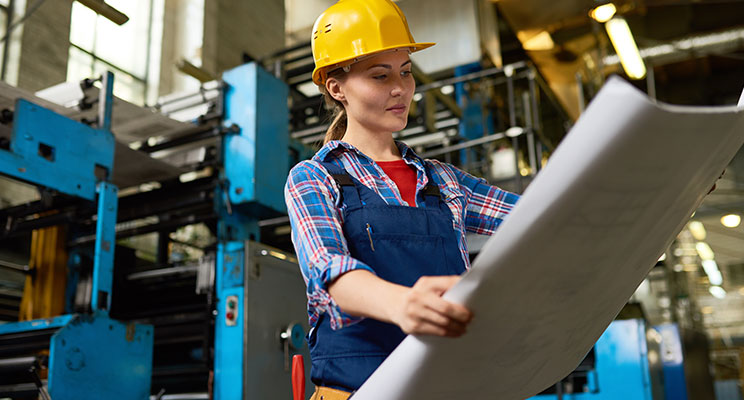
x: 319, y: 71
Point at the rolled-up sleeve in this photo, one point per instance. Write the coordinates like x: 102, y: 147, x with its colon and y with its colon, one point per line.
x: 318, y: 239
x: 487, y: 205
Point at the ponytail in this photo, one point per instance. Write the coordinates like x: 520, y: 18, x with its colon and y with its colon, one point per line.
x: 338, y: 127
x: 337, y: 130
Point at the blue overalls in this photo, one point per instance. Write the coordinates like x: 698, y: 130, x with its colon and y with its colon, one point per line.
x: 401, y: 244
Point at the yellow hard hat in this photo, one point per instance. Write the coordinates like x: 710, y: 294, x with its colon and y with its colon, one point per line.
x: 351, y: 29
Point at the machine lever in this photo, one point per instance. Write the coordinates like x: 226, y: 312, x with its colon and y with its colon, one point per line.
x: 298, y: 377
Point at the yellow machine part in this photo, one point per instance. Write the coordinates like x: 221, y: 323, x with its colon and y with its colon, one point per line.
x: 44, y: 290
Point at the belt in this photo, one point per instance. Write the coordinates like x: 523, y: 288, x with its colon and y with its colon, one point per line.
x: 326, y: 393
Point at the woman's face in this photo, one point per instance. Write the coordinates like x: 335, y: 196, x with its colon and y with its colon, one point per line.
x: 377, y: 91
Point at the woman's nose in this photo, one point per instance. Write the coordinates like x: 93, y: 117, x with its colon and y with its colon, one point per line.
x: 398, y: 88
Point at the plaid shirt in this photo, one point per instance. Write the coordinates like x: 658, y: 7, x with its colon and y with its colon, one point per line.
x: 316, y: 218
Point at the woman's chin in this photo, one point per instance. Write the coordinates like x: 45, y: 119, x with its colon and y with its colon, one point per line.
x: 387, y: 125
x: 397, y: 126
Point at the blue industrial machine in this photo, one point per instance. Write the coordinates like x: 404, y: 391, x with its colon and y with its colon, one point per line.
x: 227, y: 325
x: 260, y: 295
x: 86, y: 355
x: 686, y: 362
x: 672, y: 359
x: 625, y: 363
x: 477, y: 120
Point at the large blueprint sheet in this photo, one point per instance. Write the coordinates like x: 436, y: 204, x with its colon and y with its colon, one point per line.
x: 588, y: 229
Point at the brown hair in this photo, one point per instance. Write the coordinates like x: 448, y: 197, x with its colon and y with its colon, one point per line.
x: 338, y: 120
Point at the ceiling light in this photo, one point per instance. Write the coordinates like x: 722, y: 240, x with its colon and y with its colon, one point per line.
x: 717, y: 292
x: 697, y: 229
x: 625, y: 47
x: 714, y: 274
x: 731, y: 220
x: 704, y: 251
x: 514, y: 131
x: 535, y: 40
x: 603, y: 13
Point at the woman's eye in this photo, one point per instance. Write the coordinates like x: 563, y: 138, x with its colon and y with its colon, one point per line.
x: 380, y: 77
x: 405, y: 73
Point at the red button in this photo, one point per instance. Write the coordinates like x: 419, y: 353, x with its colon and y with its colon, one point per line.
x: 230, y: 316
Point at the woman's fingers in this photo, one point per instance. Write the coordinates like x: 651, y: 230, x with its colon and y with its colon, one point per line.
x: 437, y: 330
x: 434, y: 317
x: 435, y: 286
x: 426, y: 312
x: 429, y: 329
x: 427, y: 315
x: 450, y: 310
x: 430, y: 322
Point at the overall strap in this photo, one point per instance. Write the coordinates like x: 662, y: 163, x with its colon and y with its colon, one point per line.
x: 431, y: 191
x: 347, y: 190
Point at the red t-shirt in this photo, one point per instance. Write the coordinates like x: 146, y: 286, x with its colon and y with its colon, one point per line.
x: 404, y: 177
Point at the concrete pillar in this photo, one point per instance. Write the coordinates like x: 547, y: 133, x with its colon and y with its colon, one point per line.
x: 301, y: 15
x: 39, y: 62
x: 232, y: 27
x: 182, y: 39
x: 44, y: 45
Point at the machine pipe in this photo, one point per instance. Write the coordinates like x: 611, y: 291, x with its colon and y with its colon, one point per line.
x: 16, y: 364
x: 471, y: 76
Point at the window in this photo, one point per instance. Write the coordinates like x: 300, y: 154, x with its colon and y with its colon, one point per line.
x: 129, y: 50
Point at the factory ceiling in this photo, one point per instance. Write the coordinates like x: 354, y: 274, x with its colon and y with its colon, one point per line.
x: 703, y: 46
x: 694, y: 53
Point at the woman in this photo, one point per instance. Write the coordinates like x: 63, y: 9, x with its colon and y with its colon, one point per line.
x: 379, y: 232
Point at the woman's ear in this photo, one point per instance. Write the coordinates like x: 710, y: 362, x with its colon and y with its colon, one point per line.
x: 333, y: 86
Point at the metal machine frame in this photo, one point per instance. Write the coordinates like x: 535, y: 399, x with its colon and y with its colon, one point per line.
x: 256, y: 165
x: 89, y: 356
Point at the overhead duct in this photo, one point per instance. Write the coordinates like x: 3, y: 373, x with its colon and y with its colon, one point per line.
x: 700, y: 45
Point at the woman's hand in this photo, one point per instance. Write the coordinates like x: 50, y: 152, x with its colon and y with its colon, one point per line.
x: 417, y: 310
x: 422, y: 310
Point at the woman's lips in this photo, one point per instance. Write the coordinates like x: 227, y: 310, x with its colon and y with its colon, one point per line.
x: 398, y: 108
